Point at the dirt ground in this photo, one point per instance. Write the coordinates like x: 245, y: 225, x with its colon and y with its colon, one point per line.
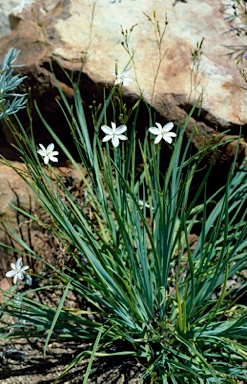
x: 22, y: 362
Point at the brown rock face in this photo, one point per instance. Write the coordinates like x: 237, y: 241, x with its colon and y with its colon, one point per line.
x: 15, y: 191
x: 85, y: 38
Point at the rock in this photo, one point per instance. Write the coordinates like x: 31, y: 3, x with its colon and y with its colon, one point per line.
x: 76, y: 31
x: 15, y: 191
x: 4, y: 285
x: 30, y: 10
x: 6, y: 8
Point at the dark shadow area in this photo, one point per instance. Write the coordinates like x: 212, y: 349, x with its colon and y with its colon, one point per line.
x: 6, y: 150
x: 32, y: 365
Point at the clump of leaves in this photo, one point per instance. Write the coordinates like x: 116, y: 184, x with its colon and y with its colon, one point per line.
x: 149, y: 290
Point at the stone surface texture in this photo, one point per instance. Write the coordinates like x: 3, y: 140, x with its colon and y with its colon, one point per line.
x: 188, y: 23
x: 76, y: 30
x: 6, y: 8
x: 68, y: 31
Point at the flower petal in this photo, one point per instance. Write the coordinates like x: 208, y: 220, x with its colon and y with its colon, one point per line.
x: 42, y: 147
x: 168, y: 139
x: 52, y: 158
x: 121, y: 129
x: 168, y: 127
x: 20, y: 275
x: 117, y: 81
x: 113, y: 127
x: 15, y: 278
x: 19, y: 263
x: 46, y: 159
x: 13, y: 266
x: 122, y: 137
x: 154, y: 130
x: 10, y: 273
x: 24, y: 268
x: 126, y: 82
x: 159, y: 126
x: 107, y: 138
x: 171, y: 134
x: 125, y: 73
x: 115, y: 141
x: 106, y: 129
x: 157, y: 139
x: 41, y: 152
x: 50, y: 147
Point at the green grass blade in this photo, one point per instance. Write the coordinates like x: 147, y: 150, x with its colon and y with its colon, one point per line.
x: 54, y: 321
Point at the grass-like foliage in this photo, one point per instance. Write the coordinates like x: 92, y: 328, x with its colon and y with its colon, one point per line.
x: 152, y: 294
x: 10, y: 102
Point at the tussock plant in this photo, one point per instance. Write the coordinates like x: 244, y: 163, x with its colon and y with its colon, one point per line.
x: 10, y: 102
x: 152, y: 293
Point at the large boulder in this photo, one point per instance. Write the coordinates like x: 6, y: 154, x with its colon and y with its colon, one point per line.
x: 86, y: 37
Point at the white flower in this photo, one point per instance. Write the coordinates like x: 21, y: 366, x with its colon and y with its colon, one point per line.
x: 48, y: 153
x: 122, y: 77
x: 141, y: 203
x: 18, y: 271
x: 163, y: 132
x: 114, y: 134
